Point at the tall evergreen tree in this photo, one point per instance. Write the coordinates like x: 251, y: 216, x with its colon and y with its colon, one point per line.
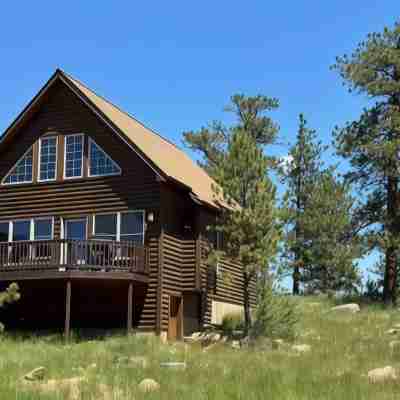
x: 249, y: 225
x: 332, y: 246
x: 372, y: 143
x: 235, y: 158
x: 250, y: 112
x: 299, y: 172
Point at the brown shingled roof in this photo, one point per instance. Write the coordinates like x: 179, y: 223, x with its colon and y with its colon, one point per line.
x: 166, y: 156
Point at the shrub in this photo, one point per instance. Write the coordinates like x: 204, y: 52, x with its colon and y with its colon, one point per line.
x: 10, y: 295
x: 232, y: 322
x: 275, y: 316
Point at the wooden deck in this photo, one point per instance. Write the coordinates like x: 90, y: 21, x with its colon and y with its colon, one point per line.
x: 68, y: 259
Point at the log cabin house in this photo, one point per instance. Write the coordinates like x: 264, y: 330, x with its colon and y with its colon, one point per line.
x: 103, y: 221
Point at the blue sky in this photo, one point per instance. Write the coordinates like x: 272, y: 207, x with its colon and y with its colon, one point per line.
x: 175, y: 64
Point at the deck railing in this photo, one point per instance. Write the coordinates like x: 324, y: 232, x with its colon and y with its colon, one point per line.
x: 64, y: 255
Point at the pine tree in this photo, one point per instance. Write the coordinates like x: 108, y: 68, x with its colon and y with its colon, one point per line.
x: 299, y: 173
x: 332, y: 246
x: 212, y: 141
x: 372, y: 142
x: 249, y: 224
x: 235, y: 158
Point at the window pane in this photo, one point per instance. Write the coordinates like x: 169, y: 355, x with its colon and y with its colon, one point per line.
x: 4, y: 231
x: 76, y: 230
x: 100, y: 162
x: 22, y: 172
x: 43, y: 229
x: 131, y: 223
x: 48, y: 158
x: 21, y: 230
x: 106, y: 226
x: 73, y: 156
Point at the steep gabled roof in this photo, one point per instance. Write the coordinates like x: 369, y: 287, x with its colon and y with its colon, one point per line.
x: 174, y: 163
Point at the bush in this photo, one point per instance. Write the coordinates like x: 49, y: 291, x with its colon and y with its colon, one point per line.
x: 232, y: 322
x: 10, y: 295
x: 275, y: 316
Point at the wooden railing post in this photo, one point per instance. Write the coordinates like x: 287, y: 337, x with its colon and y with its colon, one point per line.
x: 67, y: 310
x: 130, y: 308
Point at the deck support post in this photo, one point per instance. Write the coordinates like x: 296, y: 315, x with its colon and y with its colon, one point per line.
x: 67, y: 310
x: 130, y: 308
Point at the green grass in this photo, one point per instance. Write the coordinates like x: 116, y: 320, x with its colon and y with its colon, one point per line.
x: 344, y: 349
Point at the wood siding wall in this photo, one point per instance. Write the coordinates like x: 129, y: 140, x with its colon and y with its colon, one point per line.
x: 225, y: 286
x: 178, y: 271
x: 62, y: 113
x: 148, y: 317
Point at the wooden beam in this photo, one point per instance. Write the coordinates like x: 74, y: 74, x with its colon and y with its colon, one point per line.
x: 130, y: 307
x: 160, y: 283
x: 41, y: 275
x: 67, y: 310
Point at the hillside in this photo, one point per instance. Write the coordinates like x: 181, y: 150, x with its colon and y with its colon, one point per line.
x: 344, y: 347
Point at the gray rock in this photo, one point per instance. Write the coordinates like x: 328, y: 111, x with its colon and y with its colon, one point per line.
x: 149, y: 385
x: 301, y: 348
x: 36, y: 374
x: 380, y: 375
x: 173, y: 365
x: 235, y: 344
x: 351, y: 308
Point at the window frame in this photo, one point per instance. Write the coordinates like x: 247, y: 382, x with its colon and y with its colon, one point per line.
x: 11, y: 223
x: 34, y: 230
x: 90, y: 141
x: 3, y: 182
x: 65, y: 156
x: 40, y: 156
x: 118, y: 227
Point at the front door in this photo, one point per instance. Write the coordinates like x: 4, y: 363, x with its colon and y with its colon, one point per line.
x: 175, y: 318
x: 75, y: 234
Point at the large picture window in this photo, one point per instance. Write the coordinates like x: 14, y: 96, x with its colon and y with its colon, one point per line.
x: 21, y: 230
x: 22, y: 171
x: 47, y: 159
x: 27, y: 229
x: 73, y: 156
x: 124, y: 226
x: 4, y: 231
x: 100, y: 163
x: 132, y: 227
x: 43, y: 229
x: 105, y: 226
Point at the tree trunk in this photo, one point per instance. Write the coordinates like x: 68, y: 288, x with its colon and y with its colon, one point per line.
x: 246, y: 302
x: 390, y: 280
x: 296, y: 281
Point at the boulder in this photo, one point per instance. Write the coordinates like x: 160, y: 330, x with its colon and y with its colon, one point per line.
x: 36, y: 374
x: 149, y: 385
x: 351, y: 308
x: 173, y: 365
x: 380, y: 375
x: 235, y: 344
x: 301, y: 348
x: 213, y: 337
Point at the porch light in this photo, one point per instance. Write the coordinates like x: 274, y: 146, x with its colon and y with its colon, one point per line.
x: 150, y: 217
